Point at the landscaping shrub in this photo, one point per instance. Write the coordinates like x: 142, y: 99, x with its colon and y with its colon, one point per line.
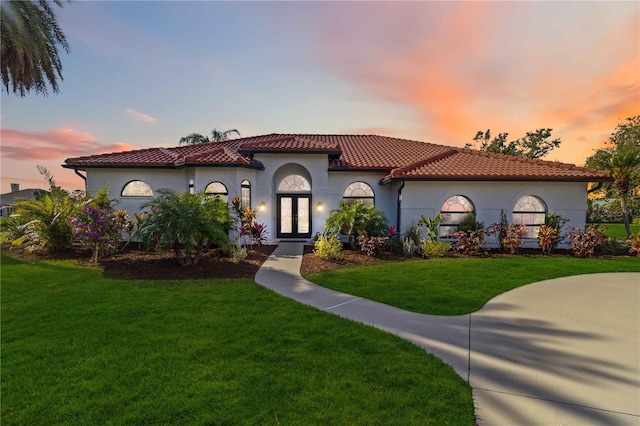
x: 613, y: 246
x: 395, y: 240
x: 469, y: 243
x: 372, y: 246
x: 185, y: 223
x: 258, y: 234
x: 469, y: 224
x: 499, y: 230
x: 239, y: 253
x: 45, y: 220
x: 99, y: 229
x: 353, y: 219
x: 634, y: 243
x: 547, y: 237
x: 435, y: 248
x: 431, y: 227
x: 514, y: 237
x: 413, y: 233
x: 585, y: 243
x: 328, y: 248
x: 409, y: 247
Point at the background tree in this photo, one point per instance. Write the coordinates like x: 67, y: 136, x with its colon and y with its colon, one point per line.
x: 533, y: 145
x: 622, y: 157
x: 29, y: 42
x: 216, y: 136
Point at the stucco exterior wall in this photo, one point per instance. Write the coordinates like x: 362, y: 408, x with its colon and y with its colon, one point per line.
x: 568, y: 199
x: 418, y: 197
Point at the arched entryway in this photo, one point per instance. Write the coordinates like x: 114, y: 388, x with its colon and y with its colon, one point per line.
x: 293, y: 191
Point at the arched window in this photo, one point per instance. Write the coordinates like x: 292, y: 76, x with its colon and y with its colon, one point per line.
x: 137, y: 188
x: 453, y: 210
x: 359, y: 191
x: 217, y: 189
x: 529, y: 211
x: 245, y: 194
x: 294, y: 183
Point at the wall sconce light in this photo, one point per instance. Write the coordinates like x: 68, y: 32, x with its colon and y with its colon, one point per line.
x: 320, y: 206
x: 262, y: 206
x: 192, y: 189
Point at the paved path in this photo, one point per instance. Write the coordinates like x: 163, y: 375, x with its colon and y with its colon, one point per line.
x: 563, y: 351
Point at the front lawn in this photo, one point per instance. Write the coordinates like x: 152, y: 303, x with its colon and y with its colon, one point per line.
x: 455, y: 286
x: 78, y: 348
x: 617, y: 231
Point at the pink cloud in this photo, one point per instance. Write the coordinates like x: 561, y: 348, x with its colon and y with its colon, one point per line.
x: 59, y: 143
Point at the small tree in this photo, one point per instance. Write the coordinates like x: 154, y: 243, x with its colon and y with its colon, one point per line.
x: 353, y: 219
x: 99, y: 228
x: 185, y: 223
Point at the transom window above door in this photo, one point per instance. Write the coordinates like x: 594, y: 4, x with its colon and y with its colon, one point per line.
x: 294, y: 183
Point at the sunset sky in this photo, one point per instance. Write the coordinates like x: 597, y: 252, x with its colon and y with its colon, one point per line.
x: 144, y: 74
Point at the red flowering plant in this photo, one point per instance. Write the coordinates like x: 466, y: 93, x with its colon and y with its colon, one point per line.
x: 98, y: 228
x: 514, y: 237
x: 585, y: 243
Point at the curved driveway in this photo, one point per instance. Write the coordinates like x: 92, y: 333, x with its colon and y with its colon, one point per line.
x: 563, y: 351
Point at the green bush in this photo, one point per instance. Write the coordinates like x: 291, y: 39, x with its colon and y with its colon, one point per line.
x: 409, y: 247
x: 328, y: 248
x: 435, y: 248
x: 185, y: 223
x: 469, y: 224
x: 355, y: 219
x: 238, y: 253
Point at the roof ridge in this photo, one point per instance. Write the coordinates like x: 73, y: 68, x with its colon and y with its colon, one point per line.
x: 424, y: 162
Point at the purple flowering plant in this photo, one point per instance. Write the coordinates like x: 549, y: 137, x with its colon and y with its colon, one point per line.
x: 98, y: 228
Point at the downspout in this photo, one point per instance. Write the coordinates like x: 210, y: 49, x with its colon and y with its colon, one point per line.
x: 595, y: 188
x: 84, y: 178
x: 398, y: 208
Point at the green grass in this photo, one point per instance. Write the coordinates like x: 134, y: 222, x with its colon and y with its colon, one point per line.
x: 616, y: 230
x: 455, y: 286
x: 78, y: 348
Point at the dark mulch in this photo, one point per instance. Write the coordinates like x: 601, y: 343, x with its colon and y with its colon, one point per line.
x: 132, y: 263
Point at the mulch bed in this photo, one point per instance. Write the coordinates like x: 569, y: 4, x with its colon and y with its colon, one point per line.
x: 132, y: 263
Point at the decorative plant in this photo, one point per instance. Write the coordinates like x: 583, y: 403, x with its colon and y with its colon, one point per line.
x: 431, y: 226
x: 245, y: 217
x: 409, y: 247
x: 99, y: 228
x: 514, y: 237
x: 469, y: 242
x: 500, y: 229
x: 556, y: 221
x: 354, y: 219
x: 585, y: 243
x: 185, y: 223
x: 634, y: 243
x: 372, y: 246
x: 469, y: 224
x: 258, y: 234
x: 547, y: 237
x: 126, y: 224
x: 435, y: 248
x: 239, y: 253
x: 328, y: 248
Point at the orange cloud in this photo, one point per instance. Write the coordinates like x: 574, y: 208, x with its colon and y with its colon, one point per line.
x: 467, y: 66
x: 61, y: 143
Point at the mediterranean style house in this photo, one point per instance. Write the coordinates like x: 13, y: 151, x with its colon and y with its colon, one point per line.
x: 294, y: 180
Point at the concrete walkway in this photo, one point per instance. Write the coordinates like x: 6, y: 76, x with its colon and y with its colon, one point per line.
x: 563, y: 351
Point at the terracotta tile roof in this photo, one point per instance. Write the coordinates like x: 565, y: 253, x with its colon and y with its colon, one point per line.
x: 397, y: 158
x: 467, y: 164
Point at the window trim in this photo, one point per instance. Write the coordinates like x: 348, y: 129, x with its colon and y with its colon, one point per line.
x: 245, y: 185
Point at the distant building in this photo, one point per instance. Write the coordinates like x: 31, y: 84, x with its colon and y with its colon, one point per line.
x: 9, y: 199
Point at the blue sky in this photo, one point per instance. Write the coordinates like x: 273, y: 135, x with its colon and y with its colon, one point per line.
x: 143, y: 74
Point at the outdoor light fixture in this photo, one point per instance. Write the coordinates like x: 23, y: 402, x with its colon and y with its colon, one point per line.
x: 192, y: 189
x: 320, y: 206
x: 263, y: 206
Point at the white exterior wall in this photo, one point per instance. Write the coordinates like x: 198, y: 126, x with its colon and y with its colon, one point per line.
x: 418, y: 197
x: 568, y: 199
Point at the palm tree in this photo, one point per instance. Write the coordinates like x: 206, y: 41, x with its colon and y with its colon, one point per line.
x: 29, y: 43
x: 623, y: 160
x: 216, y: 136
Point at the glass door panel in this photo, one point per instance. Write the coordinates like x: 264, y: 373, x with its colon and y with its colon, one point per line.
x: 286, y: 215
x: 303, y: 215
